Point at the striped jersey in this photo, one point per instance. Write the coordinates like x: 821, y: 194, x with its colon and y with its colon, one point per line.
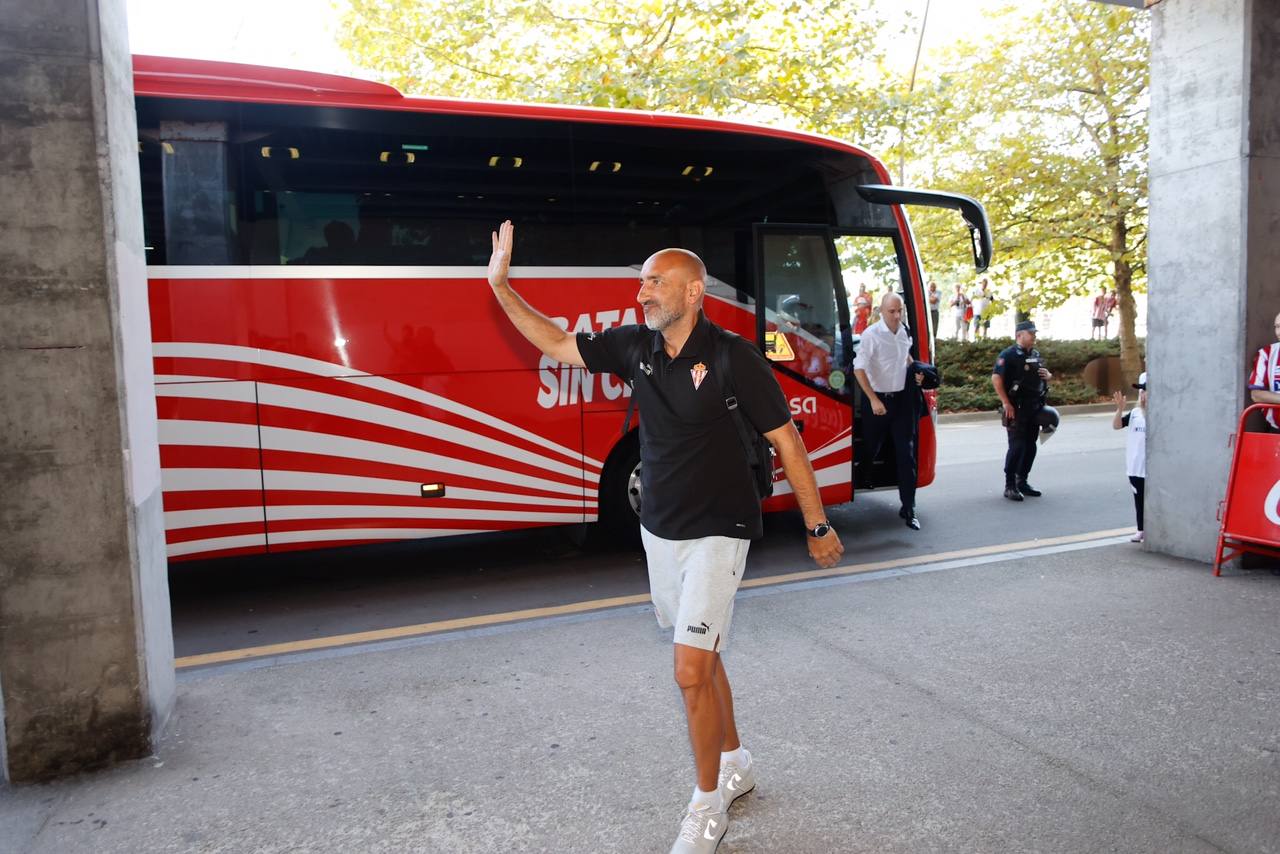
x: 1266, y: 375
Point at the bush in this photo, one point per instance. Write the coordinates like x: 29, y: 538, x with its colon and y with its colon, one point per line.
x: 966, y: 371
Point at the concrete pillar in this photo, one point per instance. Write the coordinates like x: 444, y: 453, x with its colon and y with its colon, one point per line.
x: 1214, y: 249
x: 86, y: 646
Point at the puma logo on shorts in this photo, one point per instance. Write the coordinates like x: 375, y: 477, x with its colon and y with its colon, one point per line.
x: 693, y: 583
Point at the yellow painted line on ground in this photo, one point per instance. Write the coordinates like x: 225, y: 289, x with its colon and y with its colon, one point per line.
x: 615, y: 602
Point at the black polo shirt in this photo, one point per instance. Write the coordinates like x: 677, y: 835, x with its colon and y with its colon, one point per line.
x: 1020, y: 370
x: 694, y: 473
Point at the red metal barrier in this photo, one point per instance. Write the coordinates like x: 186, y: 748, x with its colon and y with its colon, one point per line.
x: 1250, y: 514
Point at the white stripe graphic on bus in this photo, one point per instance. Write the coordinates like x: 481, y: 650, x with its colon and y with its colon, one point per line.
x: 220, y: 434
x: 180, y: 519
x: 216, y: 544
x: 232, y: 479
x: 302, y: 364
x: 319, y: 536
x: 234, y: 391
x: 829, y: 476
x: 181, y: 378
x: 839, y: 443
x: 270, y: 394
x: 302, y: 481
x: 286, y: 439
x: 210, y: 479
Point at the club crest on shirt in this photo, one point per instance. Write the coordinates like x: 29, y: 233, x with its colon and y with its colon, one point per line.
x: 699, y: 372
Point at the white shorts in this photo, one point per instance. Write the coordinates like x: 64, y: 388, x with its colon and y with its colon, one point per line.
x: 693, y: 583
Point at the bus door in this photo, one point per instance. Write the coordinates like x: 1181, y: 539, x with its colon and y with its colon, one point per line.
x: 873, y: 262
x: 805, y: 331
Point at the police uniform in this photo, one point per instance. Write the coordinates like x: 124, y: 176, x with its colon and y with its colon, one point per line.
x: 1020, y: 371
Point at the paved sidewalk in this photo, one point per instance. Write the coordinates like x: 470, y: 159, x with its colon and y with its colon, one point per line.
x: 1096, y: 700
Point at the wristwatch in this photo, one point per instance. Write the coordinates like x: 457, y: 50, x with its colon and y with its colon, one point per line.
x: 819, y: 530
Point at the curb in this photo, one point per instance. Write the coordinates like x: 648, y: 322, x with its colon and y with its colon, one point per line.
x: 1076, y: 409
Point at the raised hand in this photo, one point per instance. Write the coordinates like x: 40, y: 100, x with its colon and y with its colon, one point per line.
x: 1118, y: 399
x: 500, y: 260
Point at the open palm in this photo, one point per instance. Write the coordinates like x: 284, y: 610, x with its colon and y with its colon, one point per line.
x: 500, y: 260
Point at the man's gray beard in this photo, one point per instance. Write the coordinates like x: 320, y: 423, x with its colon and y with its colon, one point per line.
x: 659, y: 318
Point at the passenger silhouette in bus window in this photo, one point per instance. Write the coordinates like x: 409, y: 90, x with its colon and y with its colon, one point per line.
x: 340, y: 240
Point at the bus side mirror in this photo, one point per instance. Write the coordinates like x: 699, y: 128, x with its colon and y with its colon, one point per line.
x: 975, y: 216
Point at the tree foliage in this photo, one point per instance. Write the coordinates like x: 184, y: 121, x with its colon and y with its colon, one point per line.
x: 809, y: 62
x: 1047, y: 126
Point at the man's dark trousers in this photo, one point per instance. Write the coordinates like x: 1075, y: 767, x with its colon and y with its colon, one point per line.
x: 1023, y: 433
x: 898, y: 421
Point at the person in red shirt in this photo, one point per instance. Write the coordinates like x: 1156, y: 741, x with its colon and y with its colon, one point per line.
x: 1099, y: 322
x: 861, y: 310
x: 1264, y: 382
x: 1110, y: 305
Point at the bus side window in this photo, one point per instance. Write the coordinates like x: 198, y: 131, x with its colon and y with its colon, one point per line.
x: 871, y: 261
x: 354, y: 187
x: 800, y: 302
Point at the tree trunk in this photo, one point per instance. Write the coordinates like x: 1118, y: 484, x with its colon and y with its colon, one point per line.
x: 1130, y: 358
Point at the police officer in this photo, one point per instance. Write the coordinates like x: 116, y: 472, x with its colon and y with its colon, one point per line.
x: 1021, y: 380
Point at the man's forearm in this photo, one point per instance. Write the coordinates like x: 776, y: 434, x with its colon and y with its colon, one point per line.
x: 865, y: 384
x: 804, y: 483
x: 1259, y: 395
x: 539, y: 329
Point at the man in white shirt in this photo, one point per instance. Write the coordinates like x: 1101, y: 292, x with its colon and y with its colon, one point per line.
x: 888, y: 406
x: 981, y: 311
x: 960, y: 307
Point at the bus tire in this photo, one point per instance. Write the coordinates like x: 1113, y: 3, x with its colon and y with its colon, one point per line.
x: 619, y: 499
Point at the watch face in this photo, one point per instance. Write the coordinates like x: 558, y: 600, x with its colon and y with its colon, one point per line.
x: 820, y: 530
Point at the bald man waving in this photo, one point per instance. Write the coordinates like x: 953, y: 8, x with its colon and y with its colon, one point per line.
x: 700, y: 509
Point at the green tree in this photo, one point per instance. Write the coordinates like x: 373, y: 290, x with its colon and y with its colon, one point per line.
x: 1047, y: 126
x: 811, y: 63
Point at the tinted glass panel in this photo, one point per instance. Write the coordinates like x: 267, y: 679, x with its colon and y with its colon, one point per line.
x: 342, y: 186
x: 801, y: 303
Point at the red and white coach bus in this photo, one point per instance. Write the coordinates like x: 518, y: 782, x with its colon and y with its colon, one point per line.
x: 331, y: 367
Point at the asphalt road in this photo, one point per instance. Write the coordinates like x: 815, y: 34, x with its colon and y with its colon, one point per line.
x: 221, y: 606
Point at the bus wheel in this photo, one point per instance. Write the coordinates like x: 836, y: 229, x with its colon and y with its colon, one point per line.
x: 620, y: 494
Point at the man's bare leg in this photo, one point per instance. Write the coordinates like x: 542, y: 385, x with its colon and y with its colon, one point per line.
x: 695, y: 674
x: 724, y: 697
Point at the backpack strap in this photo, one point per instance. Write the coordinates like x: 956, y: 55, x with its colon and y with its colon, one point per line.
x: 634, y: 356
x: 722, y: 339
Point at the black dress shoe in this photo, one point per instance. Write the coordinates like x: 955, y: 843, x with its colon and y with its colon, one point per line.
x: 912, y: 522
x: 1029, y: 490
x: 1012, y: 493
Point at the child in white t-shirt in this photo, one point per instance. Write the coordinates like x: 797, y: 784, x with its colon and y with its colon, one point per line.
x: 1135, y: 446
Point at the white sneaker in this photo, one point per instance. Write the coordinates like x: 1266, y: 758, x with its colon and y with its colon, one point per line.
x: 1138, y: 537
x: 736, y: 782
x: 701, y: 831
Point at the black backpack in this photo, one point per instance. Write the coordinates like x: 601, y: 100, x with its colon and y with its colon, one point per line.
x: 756, y: 449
